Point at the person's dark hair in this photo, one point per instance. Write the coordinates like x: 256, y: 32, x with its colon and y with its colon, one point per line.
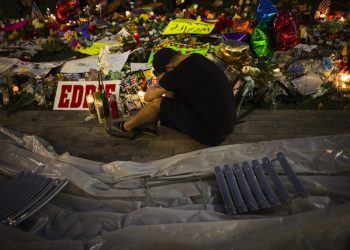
x: 162, y: 58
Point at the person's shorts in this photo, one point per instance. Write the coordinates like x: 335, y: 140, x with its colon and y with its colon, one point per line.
x: 179, y: 116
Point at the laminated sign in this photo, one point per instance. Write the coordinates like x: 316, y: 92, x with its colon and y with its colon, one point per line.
x: 72, y: 95
x: 189, y: 26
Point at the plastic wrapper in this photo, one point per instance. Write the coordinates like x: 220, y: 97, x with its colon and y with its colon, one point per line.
x: 265, y: 9
x: 308, y: 84
x: 174, y: 202
x: 303, y: 67
x: 234, y: 51
x: 286, y: 30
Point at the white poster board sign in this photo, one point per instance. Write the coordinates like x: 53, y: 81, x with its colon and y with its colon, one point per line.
x: 71, y: 95
x: 115, y: 63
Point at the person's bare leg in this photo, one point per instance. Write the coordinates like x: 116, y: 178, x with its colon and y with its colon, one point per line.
x: 148, y: 114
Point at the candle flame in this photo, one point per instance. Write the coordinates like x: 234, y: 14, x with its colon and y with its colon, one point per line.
x: 344, y: 77
x: 90, y: 99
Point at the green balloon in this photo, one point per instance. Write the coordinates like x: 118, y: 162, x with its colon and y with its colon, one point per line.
x: 259, y: 43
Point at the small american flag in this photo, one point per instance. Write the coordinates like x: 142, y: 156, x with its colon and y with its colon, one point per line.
x: 36, y: 14
x: 133, y: 80
x: 324, y: 5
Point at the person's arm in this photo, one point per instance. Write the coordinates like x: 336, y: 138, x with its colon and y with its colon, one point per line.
x: 153, y: 92
x: 156, y: 91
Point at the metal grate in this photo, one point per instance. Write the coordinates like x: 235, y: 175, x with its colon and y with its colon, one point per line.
x: 25, y: 194
x: 247, y: 188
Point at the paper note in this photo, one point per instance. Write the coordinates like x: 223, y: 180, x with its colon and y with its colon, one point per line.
x: 94, y: 49
x: 139, y: 66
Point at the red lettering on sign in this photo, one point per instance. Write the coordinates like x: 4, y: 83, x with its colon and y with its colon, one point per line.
x: 64, y: 101
x: 78, y: 91
x: 109, y: 88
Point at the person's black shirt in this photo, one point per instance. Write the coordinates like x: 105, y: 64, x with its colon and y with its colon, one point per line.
x: 204, y: 87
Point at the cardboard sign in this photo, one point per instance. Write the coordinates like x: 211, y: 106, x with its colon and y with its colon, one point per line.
x: 72, y: 95
x: 189, y: 26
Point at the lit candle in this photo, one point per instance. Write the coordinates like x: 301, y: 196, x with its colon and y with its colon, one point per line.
x: 276, y: 70
x: 141, y: 95
x: 100, y: 111
x: 345, y: 77
x: 15, y: 89
x: 136, y: 37
x: 91, y: 106
x: 5, y: 96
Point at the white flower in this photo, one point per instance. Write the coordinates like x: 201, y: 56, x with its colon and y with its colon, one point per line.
x: 103, y: 67
x: 40, y: 99
x: 103, y: 53
x: 30, y: 89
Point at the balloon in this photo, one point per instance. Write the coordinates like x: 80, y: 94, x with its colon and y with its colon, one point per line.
x: 283, y: 18
x: 259, y: 44
x: 286, y: 31
x: 234, y: 51
x: 265, y: 9
x: 266, y: 25
x: 327, y: 63
x: 67, y: 10
x: 287, y: 38
x: 235, y: 36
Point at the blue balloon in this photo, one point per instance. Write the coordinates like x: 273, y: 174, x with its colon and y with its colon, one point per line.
x: 327, y: 63
x: 265, y: 9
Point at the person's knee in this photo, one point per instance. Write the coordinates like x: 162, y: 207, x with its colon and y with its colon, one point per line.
x: 154, y: 105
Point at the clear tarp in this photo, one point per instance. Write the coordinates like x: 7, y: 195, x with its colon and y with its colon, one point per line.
x: 174, y: 203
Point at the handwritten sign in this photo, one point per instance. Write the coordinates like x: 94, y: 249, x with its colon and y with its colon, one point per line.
x: 72, y: 95
x: 189, y: 26
x: 115, y: 63
x: 181, y: 47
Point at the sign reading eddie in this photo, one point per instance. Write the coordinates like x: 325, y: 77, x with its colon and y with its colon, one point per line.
x: 72, y: 95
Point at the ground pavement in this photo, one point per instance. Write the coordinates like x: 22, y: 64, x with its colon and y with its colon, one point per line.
x: 67, y: 131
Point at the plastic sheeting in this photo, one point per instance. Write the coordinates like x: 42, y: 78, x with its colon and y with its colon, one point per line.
x: 174, y: 203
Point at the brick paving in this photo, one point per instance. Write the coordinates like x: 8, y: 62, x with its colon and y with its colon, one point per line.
x: 67, y: 131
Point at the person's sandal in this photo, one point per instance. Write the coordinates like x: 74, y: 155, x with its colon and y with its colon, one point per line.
x: 148, y: 128
x: 117, y: 129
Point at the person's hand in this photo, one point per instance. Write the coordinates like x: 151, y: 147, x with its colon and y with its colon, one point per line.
x: 154, y: 91
x: 160, y: 77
